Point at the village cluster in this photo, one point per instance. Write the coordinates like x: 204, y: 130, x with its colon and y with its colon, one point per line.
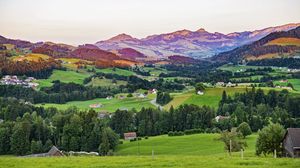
x: 14, y: 80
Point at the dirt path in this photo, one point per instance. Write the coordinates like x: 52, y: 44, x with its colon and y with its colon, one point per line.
x: 156, y: 105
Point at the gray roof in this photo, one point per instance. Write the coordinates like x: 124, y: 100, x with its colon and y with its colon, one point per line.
x: 295, y: 136
x: 53, y: 150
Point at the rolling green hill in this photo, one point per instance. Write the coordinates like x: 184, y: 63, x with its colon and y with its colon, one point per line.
x: 108, y: 105
x: 211, y: 97
x: 63, y: 76
x: 197, y: 144
x: 192, y: 151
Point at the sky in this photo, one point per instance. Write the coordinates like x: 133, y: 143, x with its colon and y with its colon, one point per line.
x: 88, y: 21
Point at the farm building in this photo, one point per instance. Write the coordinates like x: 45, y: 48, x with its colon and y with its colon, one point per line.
x: 229, y: 84
x: 220, y: 118
x: 200, y: 92
x: 142, y: 96
x: 291, y: 143
x: 52, y: 152
x: 109, y: 97
x: 95, y: 105
x: 152, y: 91
x: 220, y: 84
x: 104, y: 114
x: 129, y: 135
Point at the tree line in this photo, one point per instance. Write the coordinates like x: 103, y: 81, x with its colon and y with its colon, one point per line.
x: 259, y: 108
x: 34, y: 130
x: 38, y: 69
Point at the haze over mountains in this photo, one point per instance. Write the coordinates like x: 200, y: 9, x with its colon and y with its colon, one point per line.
x: 130, y: 50
x: 198, y: 44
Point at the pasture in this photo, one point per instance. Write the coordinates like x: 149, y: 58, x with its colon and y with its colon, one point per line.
x: 196, y: 144
x: 106, y: 82
x: 211, y: 97
x: 294, y: 82
x: 118, y: 71
x: 192, y: 151
x: 71, y: 63
x: 31, y: 57
x: 108, y: 105
x: 63, y: 76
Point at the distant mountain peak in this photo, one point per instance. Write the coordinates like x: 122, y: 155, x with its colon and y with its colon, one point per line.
x: 183, y: 32
x: 201, y: 30
x: 121, y: 37
x: 199, y: 43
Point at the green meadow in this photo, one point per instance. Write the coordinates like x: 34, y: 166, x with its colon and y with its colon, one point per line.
x: 197, y: 144
x: 211, y: 97
x: 63, y: 76
x: 106, y: 82
x: 294, y: 82
x: 116, y: 71
x: 189, y: 151
x: 108, y: 105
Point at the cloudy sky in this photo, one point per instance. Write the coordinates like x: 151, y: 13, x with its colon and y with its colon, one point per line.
x: 88, y: 21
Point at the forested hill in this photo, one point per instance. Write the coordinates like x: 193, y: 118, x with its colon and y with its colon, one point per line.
x: 274, y: 45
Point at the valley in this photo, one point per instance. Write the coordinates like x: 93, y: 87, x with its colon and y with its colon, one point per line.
x: 180, y: 99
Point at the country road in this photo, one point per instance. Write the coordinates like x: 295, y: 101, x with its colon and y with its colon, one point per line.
x: 155, y: 104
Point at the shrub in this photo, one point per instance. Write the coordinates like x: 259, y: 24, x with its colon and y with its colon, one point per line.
x: 132, y: 140
x: 146, y: 137
x: 170, y: 133
x: 207, y: 130
x: 110, y: 153
x: 269, y: 139
x: 244, y: 129
x: 216, y: 130
x: 178, y: 133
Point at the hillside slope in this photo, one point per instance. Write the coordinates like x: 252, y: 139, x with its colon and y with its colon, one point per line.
x: 275, y: 45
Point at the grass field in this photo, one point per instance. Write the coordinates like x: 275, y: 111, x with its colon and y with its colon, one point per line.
x: 31, y: 57
x: 108, y: 105
x: 285, y: 41
x: 192, y: 151
x: 116, y: 71
x: 211, y: 97
x: 63, y: 76
x: 235, y: 68
x: 70, y: 63
x: 149, y: 162
x: 156, y: 71
x: 106, y: 82
x: 294, y: 82
x: 254, y: 77
x: 197, y: 144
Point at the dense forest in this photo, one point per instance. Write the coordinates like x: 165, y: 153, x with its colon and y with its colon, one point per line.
x: 58, y: 93
x: 135, y: 82
x: 38, y: 69
x: 28, y: 129
x: 293, y: 63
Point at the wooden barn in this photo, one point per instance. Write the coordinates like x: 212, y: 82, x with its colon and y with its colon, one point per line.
x: 52, y: 152
x: 291, y: 143
x: 129, y: 135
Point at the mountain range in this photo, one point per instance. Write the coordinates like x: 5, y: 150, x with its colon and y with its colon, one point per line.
x: 197, y: 44
x: 174, y: 47
x: 275, y: 45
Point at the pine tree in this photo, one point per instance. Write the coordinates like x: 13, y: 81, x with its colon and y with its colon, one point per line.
x: 104, y: 146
